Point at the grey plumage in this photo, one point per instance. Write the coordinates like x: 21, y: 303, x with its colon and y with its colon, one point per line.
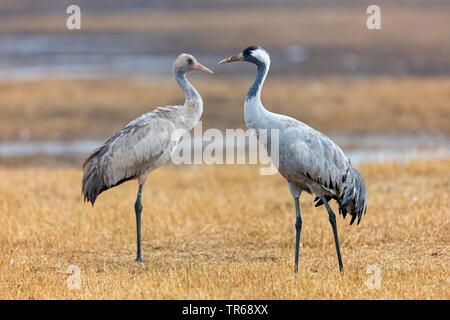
x: 145, y: 143
x: 318, y: 166
x: 139, y: 148
x: 307, y: 159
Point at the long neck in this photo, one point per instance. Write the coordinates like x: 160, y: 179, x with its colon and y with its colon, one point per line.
x: 253, y: 108
x: 193, y: 105
x: 189, y: 91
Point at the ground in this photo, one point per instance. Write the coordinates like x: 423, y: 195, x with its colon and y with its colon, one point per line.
x: 226, y: 232
x: 223, y: 232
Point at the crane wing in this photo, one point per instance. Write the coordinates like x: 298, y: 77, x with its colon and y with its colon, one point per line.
x: 312, y: 154
x: 129, y: 151
x: 135, y: 147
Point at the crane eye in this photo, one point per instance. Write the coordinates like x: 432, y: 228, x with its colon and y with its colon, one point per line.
x: 189, y: 61
x: 249, y: 50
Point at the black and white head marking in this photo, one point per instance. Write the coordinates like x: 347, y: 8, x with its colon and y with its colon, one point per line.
x: 256, y: 55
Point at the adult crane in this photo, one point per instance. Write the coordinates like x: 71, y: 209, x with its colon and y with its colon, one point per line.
x: 144, y: 144
x: 307, y: 159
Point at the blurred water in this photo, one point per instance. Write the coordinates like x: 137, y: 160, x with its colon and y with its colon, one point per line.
x: 372, y: 148
x: 150, y: 56
x: 32, y: 57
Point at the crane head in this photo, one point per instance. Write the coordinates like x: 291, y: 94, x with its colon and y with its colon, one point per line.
x: 253, y: 54
x: 187, y: 62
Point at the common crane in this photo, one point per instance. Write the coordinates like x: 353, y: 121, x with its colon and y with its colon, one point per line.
x: 307, y: 159
x: 144, y: 144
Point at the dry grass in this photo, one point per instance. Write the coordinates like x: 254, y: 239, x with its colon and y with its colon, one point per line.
x: 74, y: 110
x: 222, y: 232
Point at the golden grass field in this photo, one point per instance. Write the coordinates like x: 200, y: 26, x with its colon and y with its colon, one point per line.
x: 94, y: 109
x: 226, y: 232
x: 222, y: 232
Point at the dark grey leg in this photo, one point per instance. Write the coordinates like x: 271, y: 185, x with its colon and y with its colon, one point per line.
x: 332, y: 219
x: 298, y: 228
x: 138, y: 210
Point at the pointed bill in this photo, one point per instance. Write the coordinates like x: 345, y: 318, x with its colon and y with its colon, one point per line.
x: 236, y: 57
x: 199, y: 66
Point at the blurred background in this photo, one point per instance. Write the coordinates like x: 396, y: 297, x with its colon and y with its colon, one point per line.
x: 381, y: 94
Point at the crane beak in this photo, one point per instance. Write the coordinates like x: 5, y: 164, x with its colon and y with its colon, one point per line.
x: 198, y: 66
x: 236, y: 57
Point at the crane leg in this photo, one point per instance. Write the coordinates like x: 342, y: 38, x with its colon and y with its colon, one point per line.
x: 332, y: 218
x: 298, y: 229
x: 138, y: 210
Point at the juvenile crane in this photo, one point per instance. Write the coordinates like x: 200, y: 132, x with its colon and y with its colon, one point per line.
x: 307, y: 159
x: 144, y: 144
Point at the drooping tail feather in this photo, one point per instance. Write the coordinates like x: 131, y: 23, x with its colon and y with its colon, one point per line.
x: 352, y: 199
x: 93, y: 183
